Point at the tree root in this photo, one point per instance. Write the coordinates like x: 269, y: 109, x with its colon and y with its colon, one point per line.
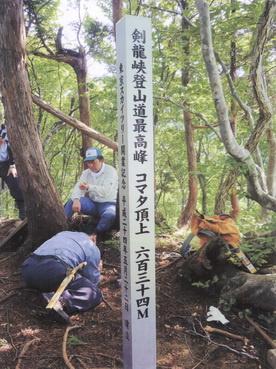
x: 64, y: 353
x: 24, y: 350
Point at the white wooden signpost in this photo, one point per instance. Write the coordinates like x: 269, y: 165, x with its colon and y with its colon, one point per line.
x: 136, y: 190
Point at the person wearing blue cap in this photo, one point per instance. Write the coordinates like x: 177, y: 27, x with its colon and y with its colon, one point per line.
x: 95, y: 193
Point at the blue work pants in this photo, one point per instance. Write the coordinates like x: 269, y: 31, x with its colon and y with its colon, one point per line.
x: 105, y: 211
x: 45, y: 273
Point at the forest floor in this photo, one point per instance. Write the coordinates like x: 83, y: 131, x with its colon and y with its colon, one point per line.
x: 36, y: 338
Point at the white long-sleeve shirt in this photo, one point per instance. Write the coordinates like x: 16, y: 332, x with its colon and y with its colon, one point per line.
x: 102, y: 188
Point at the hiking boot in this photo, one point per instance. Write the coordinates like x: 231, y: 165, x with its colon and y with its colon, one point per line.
x: 22, y: 210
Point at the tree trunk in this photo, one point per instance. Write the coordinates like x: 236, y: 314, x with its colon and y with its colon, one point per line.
x: 212, y: 259
x: 118, y: 12
x: 77, y: 60
x: 225, y: 190
x: 193, y: 190
x: 46, y: 215
x: 271, y: 172
x: 189, y: 135
x: 240, y: 154
x: 84, y: 98
x: 207, y: 261
x: 271, y: 166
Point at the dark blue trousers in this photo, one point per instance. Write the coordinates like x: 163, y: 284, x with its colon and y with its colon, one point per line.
x: 45, y: 273
x: 11, y: 181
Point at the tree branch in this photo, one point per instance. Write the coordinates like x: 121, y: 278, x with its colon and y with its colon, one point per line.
x: 199, y: 115
x: 80, y: 126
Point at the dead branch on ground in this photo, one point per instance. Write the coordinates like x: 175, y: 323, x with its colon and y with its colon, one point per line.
x: 207, y: 337
x: 8, y: 331
x: 225, y: 333
x: 111, y: 357
x: 24, y: 350
x: 168, y: 265
x: 110, y: 307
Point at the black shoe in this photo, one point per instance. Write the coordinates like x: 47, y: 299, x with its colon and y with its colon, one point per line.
x: 22, y: 210
x: 58, y: 307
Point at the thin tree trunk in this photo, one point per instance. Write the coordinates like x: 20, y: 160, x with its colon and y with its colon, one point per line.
x: 189, y: 135
x: 193, y: 190
x: 271, y: 173
x: 118, y: 12
x: 84, y: 99
x: 271, y: 166
x: 46, y: 215
x: 231, y: 191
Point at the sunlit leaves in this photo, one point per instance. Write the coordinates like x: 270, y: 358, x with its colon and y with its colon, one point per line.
x: 176, y: 47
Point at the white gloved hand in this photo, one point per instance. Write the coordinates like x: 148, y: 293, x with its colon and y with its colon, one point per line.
x: 215, y: 314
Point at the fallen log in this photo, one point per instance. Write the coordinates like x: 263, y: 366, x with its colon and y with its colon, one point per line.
x: 212, y: 259
x: 257, y: 291
x: 15, y: 238
x: 80, y: 126
x: 204, y: 263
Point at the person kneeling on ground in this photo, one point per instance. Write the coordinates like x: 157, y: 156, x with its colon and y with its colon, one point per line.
x: 48, y: 265
x: 95, y: 193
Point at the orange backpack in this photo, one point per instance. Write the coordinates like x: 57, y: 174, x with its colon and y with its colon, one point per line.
x: 222, y: 225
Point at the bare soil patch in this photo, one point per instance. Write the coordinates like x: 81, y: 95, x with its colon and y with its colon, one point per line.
x: 33, y: 337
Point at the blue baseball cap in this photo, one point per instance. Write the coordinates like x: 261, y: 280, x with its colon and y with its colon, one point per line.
x: 92, y: 153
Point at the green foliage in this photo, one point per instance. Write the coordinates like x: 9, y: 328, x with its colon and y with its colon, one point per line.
x: 226, y: 305
x: 95, y: 34
x: 268, y: 317
x: 206, y: 284
x: 114, y: 243
x: 74, y: 341
x: 259, y: 250
x: 243, y: 313
x: 229, y: 305
x: 243, y: 166
x: 41, y: 20
x: 3, y: 342
x: 8, y: 206
x: 176, y: 49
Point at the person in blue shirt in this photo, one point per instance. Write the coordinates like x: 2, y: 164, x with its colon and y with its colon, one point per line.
x: 8, y: 172
x: 48, y: 265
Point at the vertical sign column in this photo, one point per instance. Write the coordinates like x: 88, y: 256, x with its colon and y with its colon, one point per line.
x: 136, y: 189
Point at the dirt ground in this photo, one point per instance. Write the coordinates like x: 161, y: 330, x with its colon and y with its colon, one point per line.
x: 36, y: 338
